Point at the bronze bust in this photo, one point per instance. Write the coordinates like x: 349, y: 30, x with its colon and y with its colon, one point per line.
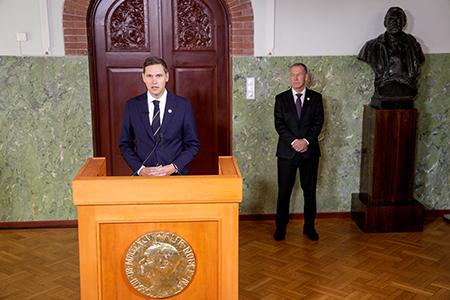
x: 395, y: 57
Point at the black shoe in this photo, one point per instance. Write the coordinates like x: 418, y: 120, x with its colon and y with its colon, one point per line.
x: 312, y: 233
x: 279, y: 234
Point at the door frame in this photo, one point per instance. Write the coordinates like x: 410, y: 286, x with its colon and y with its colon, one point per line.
x: 224, y: 143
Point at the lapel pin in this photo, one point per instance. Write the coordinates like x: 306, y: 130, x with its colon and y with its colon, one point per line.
x: 308, y: 99
x: 170, y: 111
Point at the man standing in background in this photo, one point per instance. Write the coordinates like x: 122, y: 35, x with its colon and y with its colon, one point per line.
x: 299, y: 119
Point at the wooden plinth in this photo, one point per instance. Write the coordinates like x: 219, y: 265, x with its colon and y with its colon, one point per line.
x: 387, y: 171
x: 387, y: 159
x: 114, y: 211
x: 386, y: 218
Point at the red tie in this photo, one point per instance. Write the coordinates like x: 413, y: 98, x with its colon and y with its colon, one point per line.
x: 298, y: 104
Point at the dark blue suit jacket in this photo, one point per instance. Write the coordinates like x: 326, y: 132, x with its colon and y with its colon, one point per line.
x: 289, y: 127
x: 179, y: 143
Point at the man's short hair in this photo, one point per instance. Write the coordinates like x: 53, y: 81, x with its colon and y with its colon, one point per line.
x: 300, y: 64
x: 155, y: 60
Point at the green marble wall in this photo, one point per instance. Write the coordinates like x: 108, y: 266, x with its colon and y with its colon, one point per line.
x: 432, y: 177
x: 346, y: 85
x: 46, y: 132
x: 45, y: 135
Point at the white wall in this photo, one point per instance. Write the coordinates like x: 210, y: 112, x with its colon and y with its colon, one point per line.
x: 301, y: 27
x: 341, y: 27
x: 24, y: 16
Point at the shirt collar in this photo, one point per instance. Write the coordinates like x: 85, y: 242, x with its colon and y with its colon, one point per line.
x: 162, y: 105
x: 162, y: 99
x: 294, y: 93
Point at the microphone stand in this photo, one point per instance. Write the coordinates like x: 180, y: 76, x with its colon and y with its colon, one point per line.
x: 171, y: 161
x: 158, y: 139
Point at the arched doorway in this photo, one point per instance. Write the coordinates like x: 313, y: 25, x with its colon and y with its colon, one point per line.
x: 75, y: 16
x: 240, y: 16
x: 192, y: 36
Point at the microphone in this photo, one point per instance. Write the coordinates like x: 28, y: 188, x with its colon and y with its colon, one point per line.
x: 158, y: 139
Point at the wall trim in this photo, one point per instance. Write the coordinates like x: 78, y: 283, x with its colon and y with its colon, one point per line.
x: 38, y: 224
x: 331, y: 215
x: 327, y: 215
x: 324, y: 215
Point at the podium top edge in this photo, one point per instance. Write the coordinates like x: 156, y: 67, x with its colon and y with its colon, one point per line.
x: 95, y: 167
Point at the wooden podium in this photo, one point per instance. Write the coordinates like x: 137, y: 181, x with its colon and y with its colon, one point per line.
x: 115, y: 211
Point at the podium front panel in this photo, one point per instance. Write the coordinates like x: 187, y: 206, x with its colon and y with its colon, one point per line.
x: 116, y: 239
x: 115, y: 214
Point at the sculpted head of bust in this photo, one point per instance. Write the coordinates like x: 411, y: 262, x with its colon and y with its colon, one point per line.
x: 395, y: 20
x: 395, y: 57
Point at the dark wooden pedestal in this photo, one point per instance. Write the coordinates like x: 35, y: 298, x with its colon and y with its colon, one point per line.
x: 386, y: 218
x: 385, y: 202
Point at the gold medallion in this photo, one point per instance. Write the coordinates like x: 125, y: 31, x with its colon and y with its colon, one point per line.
x: 160, y: 264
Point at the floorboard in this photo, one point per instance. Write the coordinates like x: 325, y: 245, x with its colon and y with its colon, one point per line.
x: 344, y: 264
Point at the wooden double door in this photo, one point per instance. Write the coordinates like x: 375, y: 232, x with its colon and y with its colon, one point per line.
x: 192, y: 36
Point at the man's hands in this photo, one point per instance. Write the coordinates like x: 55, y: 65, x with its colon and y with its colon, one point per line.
x: 158, y: 171
x: 300, y: 145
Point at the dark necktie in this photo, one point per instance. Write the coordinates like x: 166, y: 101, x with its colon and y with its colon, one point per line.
x: 298, y: 104
x: 155, y: 121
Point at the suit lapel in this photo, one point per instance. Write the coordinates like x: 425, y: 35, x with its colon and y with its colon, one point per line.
x: 171, y: 106
x: 143, y: 110
x: 291, y: 104
x: 306, y: 103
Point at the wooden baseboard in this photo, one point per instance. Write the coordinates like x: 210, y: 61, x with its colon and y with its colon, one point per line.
x: 331, y: 215
x: 38, y: 224
x: 327, y: 215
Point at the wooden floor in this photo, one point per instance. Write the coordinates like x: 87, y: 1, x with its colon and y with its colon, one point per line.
x: 344, y: 264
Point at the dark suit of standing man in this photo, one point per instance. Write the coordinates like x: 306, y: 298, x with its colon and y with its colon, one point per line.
x: 158, y: 150
x: 298, y: 148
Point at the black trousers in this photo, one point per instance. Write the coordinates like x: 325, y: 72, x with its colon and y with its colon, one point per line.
x: 287, y: 171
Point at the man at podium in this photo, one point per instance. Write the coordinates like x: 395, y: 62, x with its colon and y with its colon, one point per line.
x: 159, y: 134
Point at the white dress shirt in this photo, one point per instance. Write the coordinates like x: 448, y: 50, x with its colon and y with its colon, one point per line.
x: 151, y: 106
x: 302, y: 98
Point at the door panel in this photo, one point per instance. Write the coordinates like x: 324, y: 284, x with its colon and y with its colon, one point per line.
x: 200, y: 59
x: 124, y: 84
x: 203, y: 101
x: 192, y: 37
